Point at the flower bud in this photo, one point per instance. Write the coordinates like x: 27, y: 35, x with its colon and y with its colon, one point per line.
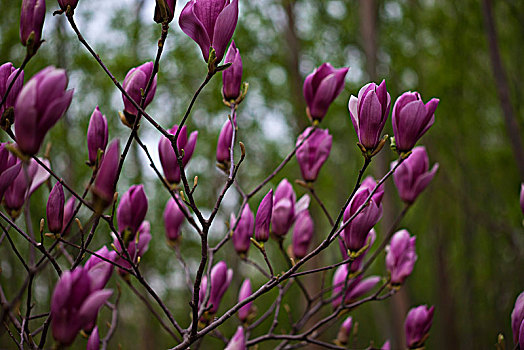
x: 302, y: 234
x: 96, y: 135
x: 32, y: 18
x: 224, y: 145
x: 168, y: 156
x: 517, y: 318
x: 283, y: 208
x: 401, y: 256
x: 210, y: 24
x: 321, y: 88
x: 345, y: 331
x: 7, y: 75
x: 355, y: 287
x: 75, y: 305
x: 173, y: 219
x: 411, y: 119
x: 64, y: 3
x: 135, y: 83
x: 99, y: 270
x: 413, y: 175
x: 245, y: 292
x: 356, y: 231
x: 55, y: 209
x: 69, y: 210
x: 312, y: 154
x: 232, y: 76
x: 238, y: 342
x: 244, y: 230
x: 25, y: 183
x: 93, y: 343
x: 386, y: 346
x: 263, y: 218
x: 104, y: 187
x: 10, y: 167
x: 164, y: 11
x: 221, y: 277
x: 135, y: 249
x: 132, y: 210
x: 417, y: 325
x: 369, y: 113
x: 42, y: 101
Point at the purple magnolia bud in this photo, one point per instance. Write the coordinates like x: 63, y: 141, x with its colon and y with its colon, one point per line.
x: 168, y: 156
x: 42, y: 101
x: 132, y: 210
x: 370, y: 183
x: 75, y: 305
x: 232, y: 76
x: 164, y: 11
x: 134, y: 84
x: 7, y: 74
x: 104, y: 188
x: 224, y: 145
x: 521, y: 335
x: 211, y: 24
x: 517, y: 317
x: 263, y: 218
x: 64, y: 3
x: 386, y: 346
x: 244, y: 230
x: 69, y: 210
x: 357, y: 262
x: 355, y: 233
x: 302, y: 234
x: 99, y: 270
x: 345, y: 331
x: 32, y: 18
x: 413, y: 175
x: 369, y: 113
x: 96, y: 135
x: 521, y: 197
x: 321, y: 88
x: 401, y: 256
x: 93, y: 343
x: 173, y: 219
x: 283, y: 208
x: 355, y: 287
x: 312, y: 154
x: 238, y: 342
x: 24, y: 184
x: 411, y: 119
x: 10, y: 167
x: 301, y: 205
x: 135, y: 249
x: 245, y: 292
x: 417, y: 325
x: 55, y: 209
x: 221, y: 277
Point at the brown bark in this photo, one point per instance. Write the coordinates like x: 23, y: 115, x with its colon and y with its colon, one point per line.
x: 502, y: 85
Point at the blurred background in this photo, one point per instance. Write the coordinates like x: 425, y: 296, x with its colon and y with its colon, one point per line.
x: 468, y: 222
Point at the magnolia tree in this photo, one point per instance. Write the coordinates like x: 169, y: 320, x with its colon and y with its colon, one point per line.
x: 29, y: 110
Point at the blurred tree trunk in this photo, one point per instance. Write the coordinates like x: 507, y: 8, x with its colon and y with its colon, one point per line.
x: 502, y: 85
